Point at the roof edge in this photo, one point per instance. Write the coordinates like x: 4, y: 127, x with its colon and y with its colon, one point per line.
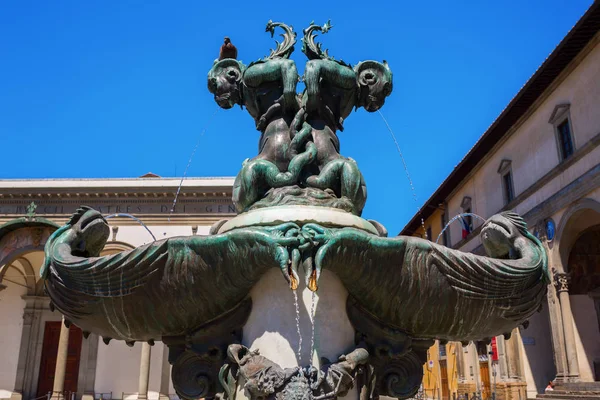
x: 564, y: 53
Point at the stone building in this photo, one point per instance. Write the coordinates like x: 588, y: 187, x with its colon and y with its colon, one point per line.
x: 541, y: 158
x: 30, y: 210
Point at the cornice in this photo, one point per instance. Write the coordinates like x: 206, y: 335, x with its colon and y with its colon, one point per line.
x: 16, y: 194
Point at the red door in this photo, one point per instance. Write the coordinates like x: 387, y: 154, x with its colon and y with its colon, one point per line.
x: 49, y: 355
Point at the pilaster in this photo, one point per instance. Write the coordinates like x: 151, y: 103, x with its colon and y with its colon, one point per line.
x: 561, y: 280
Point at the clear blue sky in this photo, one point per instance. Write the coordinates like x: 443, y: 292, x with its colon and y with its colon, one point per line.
x: 118, y: 88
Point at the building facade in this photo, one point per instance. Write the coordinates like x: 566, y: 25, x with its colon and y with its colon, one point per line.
x: 31, y: 335
x: 540, y: 158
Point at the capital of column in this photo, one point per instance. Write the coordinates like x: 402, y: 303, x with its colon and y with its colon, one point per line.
x: 561, y: 281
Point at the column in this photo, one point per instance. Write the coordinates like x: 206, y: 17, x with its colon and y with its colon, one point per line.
x: 144, y: 372
x: 460, y: 362
x: 165, y: 378
x: 558, y: 335
x: 512, y: 355
x: 475, y: 364
x: 562, y: 284
x: 501, y: 344
x: 61, y: 361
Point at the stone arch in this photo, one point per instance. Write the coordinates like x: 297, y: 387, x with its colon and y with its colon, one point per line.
x: 580, y: 216
x: 27, y: 271
x: 584, y: 262
x: 20, y: 236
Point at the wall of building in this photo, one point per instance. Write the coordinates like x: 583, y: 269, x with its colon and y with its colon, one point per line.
x: 536, y: 352
x: 533, y: 151
x: 11, y: 314
x: 452, y: 361
x: 118, y: 369
x: 431, y: 372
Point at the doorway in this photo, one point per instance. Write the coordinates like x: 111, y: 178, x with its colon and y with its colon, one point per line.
x: 444, y: 376
x: 49, y: 356
x: 584, y: 291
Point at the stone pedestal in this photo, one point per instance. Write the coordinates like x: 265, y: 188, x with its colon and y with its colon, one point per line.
x: 271, y: 327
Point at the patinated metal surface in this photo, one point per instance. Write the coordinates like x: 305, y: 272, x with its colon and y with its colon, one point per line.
x: 409, y: 283
x: 299, y: 159
x: 192, y: 292
x: 264, y: 379
x: 408, y: 286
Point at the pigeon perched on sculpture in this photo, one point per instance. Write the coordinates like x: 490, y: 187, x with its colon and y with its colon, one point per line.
x: 228, y: 50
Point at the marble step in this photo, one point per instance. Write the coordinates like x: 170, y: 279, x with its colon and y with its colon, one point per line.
x: 569, y: 395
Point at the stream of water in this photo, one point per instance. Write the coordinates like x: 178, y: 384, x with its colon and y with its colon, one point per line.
x: 454, y: 219
x: 312, y: 326
x: 299, y: 352
x: 190, y: 162
x: 412, y: 187
x: 133, y: 218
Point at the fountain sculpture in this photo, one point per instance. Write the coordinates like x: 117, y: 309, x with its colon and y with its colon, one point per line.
x: 299, y: 202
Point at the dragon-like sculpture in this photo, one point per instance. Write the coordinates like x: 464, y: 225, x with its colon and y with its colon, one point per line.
x: 125, y: 295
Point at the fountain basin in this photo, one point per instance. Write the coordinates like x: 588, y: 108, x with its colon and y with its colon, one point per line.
x: 299, y: 214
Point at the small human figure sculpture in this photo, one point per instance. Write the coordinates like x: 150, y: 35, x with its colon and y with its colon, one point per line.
x: 228, y: 50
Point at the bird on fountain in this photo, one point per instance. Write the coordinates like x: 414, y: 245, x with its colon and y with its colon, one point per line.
x: 228, y: 50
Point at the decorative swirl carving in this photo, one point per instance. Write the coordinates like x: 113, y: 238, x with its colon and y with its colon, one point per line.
x: 402, y: 377
x: 312, y: 49
x: 193, y: 376
x: 286, y: 48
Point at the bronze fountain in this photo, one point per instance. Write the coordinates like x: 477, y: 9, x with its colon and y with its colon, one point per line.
x: 300, y: 203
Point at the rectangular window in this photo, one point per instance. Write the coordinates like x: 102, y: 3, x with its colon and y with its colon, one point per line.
x: 565, y: 140
x: 428, y: 233
x: 507, y: 186
x: 442, y: 351
x: 469, y: 219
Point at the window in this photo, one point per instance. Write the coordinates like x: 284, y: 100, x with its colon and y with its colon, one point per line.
x: 468, y: 219
x: 565, y: 140
x: 442, y: 351
x: 428, y: 234
x: 505, y: 172
x: 482, y: 351
x: 563, y: 130
x: 507, y: 184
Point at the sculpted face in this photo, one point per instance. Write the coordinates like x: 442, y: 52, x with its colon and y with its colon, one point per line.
x: 225, y: 85
x: 498, y: 235
x: 90, y: 232
x: 375, y: 82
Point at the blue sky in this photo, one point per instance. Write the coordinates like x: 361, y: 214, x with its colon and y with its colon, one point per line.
x: 118, y: 88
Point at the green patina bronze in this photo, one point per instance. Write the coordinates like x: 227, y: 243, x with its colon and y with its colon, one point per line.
x: 299, y: 147
x: 193, y: 292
